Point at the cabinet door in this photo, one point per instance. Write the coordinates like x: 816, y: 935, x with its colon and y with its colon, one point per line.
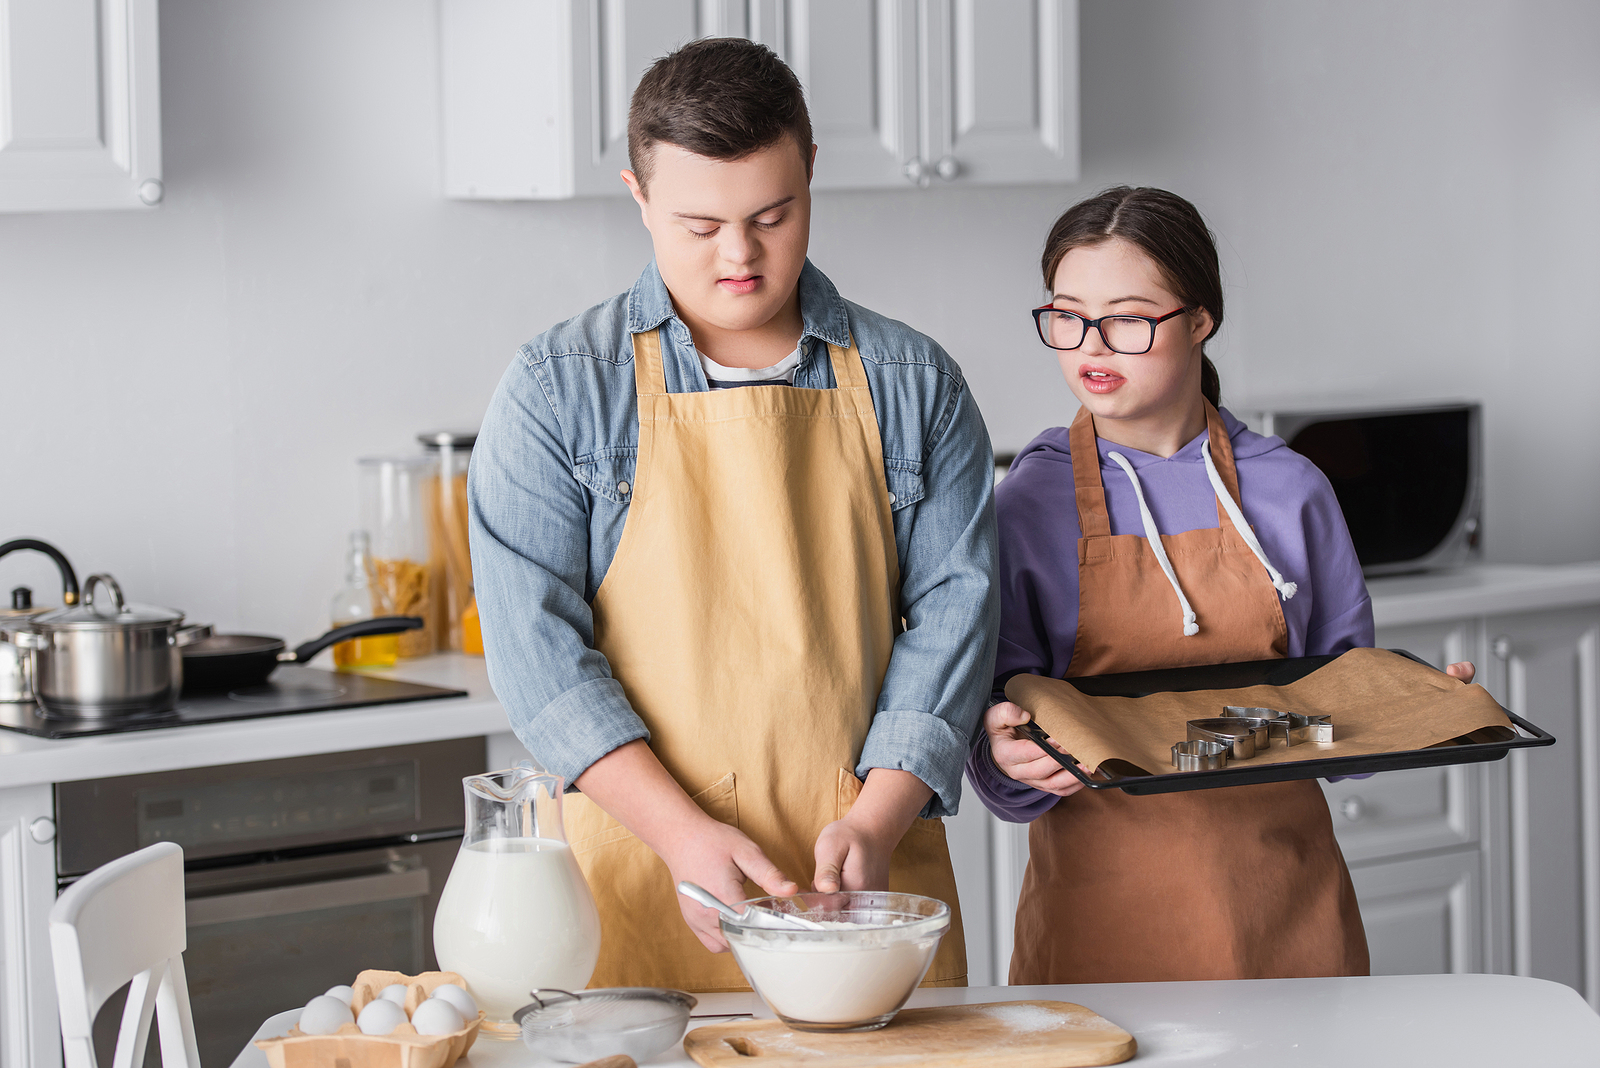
x: 858, y: 63
x: 1421, y: 914
x: 1000, y: 90
x: 614, y: 43
x: 1544, y: 668
x: 29, y: 1033
x: 80, y: 106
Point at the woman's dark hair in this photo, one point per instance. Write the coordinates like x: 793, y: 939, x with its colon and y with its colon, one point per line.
x: 720, y: 97
x: 1169, y: 230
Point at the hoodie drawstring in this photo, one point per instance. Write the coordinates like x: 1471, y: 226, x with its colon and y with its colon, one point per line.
x: 1153, y: 536
x: 1236, y: 517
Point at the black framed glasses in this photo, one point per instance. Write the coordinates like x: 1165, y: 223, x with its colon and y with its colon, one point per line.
x: 1131, y: 335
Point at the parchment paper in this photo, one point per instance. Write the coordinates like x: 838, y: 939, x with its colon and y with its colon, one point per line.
x: 1380, y: 703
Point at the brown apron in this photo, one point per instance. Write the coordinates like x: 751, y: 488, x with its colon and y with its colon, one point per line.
x: 1244, y: 882
x: 749, y: 614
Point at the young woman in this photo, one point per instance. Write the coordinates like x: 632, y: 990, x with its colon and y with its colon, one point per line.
x: 1158, y: 532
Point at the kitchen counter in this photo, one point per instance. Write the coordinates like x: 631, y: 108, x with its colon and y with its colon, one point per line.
x: 26, y: 760
x: 1480, y: 590
x: 1407, y: 1020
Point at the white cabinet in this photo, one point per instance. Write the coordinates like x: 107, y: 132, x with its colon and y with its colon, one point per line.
x: 80, y: 105
x: 1543, y: 666
x: 1422, y: 915
x: 28, y: 1030
x: 919, y: 92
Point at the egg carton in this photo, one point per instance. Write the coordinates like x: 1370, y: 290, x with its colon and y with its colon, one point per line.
x: 403, y: 1048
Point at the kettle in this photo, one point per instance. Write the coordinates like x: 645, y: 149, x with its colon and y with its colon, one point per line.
x: 16, y: 672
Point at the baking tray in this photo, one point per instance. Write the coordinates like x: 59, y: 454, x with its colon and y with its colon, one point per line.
x: 1268, y: 673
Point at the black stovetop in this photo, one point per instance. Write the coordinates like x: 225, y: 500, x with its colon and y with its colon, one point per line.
x: 292, y: 688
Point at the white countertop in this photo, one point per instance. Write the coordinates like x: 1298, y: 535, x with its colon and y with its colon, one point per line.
x: 1484, y: 589
x: 1415, y: 1021
x: 26, y: 760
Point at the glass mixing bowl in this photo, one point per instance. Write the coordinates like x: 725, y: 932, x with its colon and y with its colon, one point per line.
x: 853, y: 975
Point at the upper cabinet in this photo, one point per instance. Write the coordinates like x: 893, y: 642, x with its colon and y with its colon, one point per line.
x: 901, y: 92
x: 80, y: 105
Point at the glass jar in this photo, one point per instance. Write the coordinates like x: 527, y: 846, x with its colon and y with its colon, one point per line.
x: 362, y: 598
x: 444, y: 495
x: 392, y: 512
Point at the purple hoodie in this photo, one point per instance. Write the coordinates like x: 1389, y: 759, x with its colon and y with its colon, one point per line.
x: 1286, y: 500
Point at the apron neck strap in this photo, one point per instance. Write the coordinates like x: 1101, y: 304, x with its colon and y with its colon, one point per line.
x: 1093, y: 519
x: 847, y: 370
x: 1222, y: 457
x: 648, y: 376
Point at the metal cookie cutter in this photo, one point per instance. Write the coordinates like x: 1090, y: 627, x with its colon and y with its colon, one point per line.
x: 1317, y: 729
x: 1292, y: 727
x: 1239, y: 735
x: 1200, y: 755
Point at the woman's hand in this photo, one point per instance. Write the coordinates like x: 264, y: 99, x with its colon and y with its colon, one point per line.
x: 1463, y: 671
x: 1020, y: 758
x: 720, y: 858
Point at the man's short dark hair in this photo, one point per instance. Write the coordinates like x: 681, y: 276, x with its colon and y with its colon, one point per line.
x: 720, y: 97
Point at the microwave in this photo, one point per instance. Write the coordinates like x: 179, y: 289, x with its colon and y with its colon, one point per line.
x: 1409, y: 477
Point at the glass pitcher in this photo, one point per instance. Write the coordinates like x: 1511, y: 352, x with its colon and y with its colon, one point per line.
x: 516, y: 914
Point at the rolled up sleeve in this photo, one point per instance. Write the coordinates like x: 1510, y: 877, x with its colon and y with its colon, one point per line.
x: 530, y: 547
x: 942, y: 665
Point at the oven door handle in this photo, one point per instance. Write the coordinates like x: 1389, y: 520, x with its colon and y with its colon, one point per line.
x: 307, y: 897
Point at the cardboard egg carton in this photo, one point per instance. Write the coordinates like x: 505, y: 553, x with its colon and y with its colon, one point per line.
x: 404, y: 1048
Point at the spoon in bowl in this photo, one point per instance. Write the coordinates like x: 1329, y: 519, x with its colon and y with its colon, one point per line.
x: 753, y: 915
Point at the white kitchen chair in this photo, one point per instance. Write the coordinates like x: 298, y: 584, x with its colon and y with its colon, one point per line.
x: 125, y: 921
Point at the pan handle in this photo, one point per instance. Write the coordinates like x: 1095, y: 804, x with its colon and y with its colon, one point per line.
x: 360, y: 629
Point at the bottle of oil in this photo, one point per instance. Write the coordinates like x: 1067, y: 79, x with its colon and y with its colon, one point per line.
x: 361, y: 598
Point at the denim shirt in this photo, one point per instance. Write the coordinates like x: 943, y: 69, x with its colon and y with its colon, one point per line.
x: 549, y: 490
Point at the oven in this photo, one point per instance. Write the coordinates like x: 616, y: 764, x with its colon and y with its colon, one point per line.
x: 298, y: 872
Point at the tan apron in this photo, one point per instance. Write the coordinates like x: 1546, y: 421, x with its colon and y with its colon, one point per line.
x: 749, y: 614
x: 1244, y: 882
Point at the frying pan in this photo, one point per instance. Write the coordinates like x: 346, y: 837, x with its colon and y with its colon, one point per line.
x: 234, y: 661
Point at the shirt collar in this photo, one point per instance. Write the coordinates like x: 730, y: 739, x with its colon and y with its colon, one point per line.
x: 822, y: 311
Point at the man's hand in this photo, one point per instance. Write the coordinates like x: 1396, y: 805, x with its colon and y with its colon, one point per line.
x: 853, y: 853
x: 720, y: 858
x: 1462, y: 670
x: 1020, y: 758
x: 636, y: 791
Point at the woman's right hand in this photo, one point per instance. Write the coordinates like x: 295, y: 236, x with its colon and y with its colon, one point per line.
x: 1020, y: 758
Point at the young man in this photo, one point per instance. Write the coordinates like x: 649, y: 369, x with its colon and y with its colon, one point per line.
x: 733, y: 540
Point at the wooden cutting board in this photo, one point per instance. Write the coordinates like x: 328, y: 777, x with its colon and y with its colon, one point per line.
x: 1016, y: 1034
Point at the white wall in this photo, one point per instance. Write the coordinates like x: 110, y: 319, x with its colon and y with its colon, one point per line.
x: 1405, y: 193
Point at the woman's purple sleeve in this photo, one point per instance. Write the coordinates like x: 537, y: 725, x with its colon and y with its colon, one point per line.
x: 1004, y: 796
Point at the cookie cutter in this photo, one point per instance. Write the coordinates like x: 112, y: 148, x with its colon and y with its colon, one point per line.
x: 1241, y: 736
x: 1292, y: 727
x: 1200, y: 755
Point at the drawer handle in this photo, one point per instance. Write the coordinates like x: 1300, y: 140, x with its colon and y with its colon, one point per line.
x: 306, y: 897
x: 1352, y: 809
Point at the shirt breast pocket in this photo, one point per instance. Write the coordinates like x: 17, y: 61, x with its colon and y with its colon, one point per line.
x: 905, y: 482
x: 608, y: 474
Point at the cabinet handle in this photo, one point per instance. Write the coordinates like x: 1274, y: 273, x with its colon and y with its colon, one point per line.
x: 1501, y: 648
x: 1352, y: 809
x: 42, y: 830
x: 916, y: 172
x: 948, y: 168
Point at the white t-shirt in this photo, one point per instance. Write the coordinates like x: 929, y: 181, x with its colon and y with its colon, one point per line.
x: 720, y: 377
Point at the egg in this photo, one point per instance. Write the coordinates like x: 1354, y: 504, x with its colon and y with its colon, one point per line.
x: 437, y: 1016
x: 343, y: 993
x: 395, y: 992
x: 323, y: 1015
x: 380, y: 1017
x: 459, y: 998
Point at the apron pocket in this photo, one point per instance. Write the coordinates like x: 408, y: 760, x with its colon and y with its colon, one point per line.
x: 589, y: 827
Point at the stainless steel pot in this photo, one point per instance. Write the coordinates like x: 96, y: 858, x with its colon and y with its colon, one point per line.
x: 99, y: 660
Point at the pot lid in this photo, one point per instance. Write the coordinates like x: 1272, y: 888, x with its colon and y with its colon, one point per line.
x: 106, y: 613
x: 454, y: 439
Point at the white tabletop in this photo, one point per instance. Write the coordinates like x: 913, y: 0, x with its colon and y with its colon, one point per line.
x: 1411, y: 1020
